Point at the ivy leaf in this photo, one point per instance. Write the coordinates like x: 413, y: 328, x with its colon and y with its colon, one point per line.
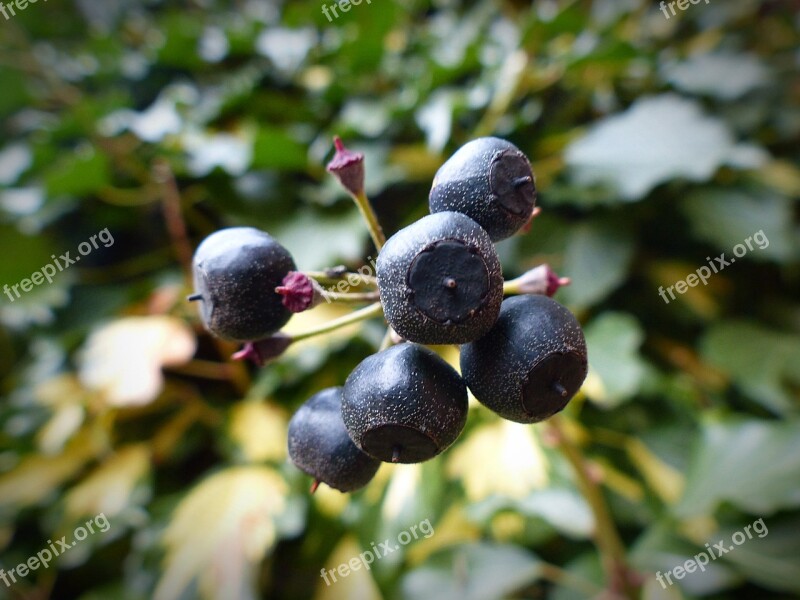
x: 472, y: 572
x: 616, y: 369
x: 726, y: 218
x: 754, y: 465
x: 771, y: 559
x: 219, y: 533
x: 597, y: 260
x: 759, y: 361
x: 79, y: 173
x: 725, y: 75
x: 656, y: 140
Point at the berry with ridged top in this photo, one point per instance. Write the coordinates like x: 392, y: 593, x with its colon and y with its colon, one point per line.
x: 440, y: 280
x: 404, y: 404
x: 531, y: 363
x: 236, y: 271
x: 491, y: 181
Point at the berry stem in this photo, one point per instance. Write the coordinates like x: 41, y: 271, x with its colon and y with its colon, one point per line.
x: 368, y: 312
x: 326, y: 278
x: 607, y: 538
x: 374, y: 227
x: 353, y: 297
x: 388, y: 340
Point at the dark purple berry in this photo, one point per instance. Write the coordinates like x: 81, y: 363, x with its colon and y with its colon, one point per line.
x: 236, y: 271
x: 320, y: 446
x: 531, y: 363
x: 440, y: 280
x: 404, y: 404
x: 491, y: 181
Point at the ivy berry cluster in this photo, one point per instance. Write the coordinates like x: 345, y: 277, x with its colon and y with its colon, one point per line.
x: 439, y: 281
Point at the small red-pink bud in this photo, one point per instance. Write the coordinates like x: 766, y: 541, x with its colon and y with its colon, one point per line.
x: 540, y: 280
x: 263, y: 351
x: 299, y: 292
x: 348, y: 167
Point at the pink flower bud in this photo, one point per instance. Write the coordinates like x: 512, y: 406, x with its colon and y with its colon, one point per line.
x: 348, y: 167
x: 299, y: 292
x: 263, y: 351
x: 540, y: 280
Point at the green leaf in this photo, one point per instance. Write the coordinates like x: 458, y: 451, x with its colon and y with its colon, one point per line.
x: 726, y: 218
x: 660, y: 549
x: 343, y: 235
x: 754, y: 465
x: 472, y: 572
x: 564, y: 509
x: 772, y: 560
x: 276, y: 149
x: 725, y: 75
x: 613, y: 341
x: 759, y: 361
x: 597, y: 260
x: 656, y: 140
x: 79, y: 173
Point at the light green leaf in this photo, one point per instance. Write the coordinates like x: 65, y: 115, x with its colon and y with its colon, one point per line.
x: 227, y: 519
x: 656, y: 140
x: 597, y: 260
x: 660, y: 550
x: 754, y: 465
x: 758, y: 360
x: 724, y: 75
x: 472, y: 572
x: 726, y: 218
x: 344, y: 238
x: 613, y: 342
x: 565, y: 510
x: 772, y: 560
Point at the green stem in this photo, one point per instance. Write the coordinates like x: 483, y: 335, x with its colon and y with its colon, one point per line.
x: 511, y: 288
x: 352, y: 297
x: 564, y: 578
x: 368, y: 312
x: 609, y: 543
x: 324, y: 278
x: 387, y: 340
x: 375, y: 230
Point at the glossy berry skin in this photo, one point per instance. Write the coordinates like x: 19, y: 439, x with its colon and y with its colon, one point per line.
x: 404, y: 404
x: 440, y: 280
x: 531, y: 363
x: 236, y: 271
x: 320, y: 446
x: 491, y: 181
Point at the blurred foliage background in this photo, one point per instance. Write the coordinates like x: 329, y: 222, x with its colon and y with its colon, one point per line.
x: 657, y: 142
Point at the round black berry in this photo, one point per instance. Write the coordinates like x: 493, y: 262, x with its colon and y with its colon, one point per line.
x: 440, y: 280
x: 531, y: 363
x: 404, y: 404
x: 320, y: 446
x: 236, y: 271
x: 490, y: 181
